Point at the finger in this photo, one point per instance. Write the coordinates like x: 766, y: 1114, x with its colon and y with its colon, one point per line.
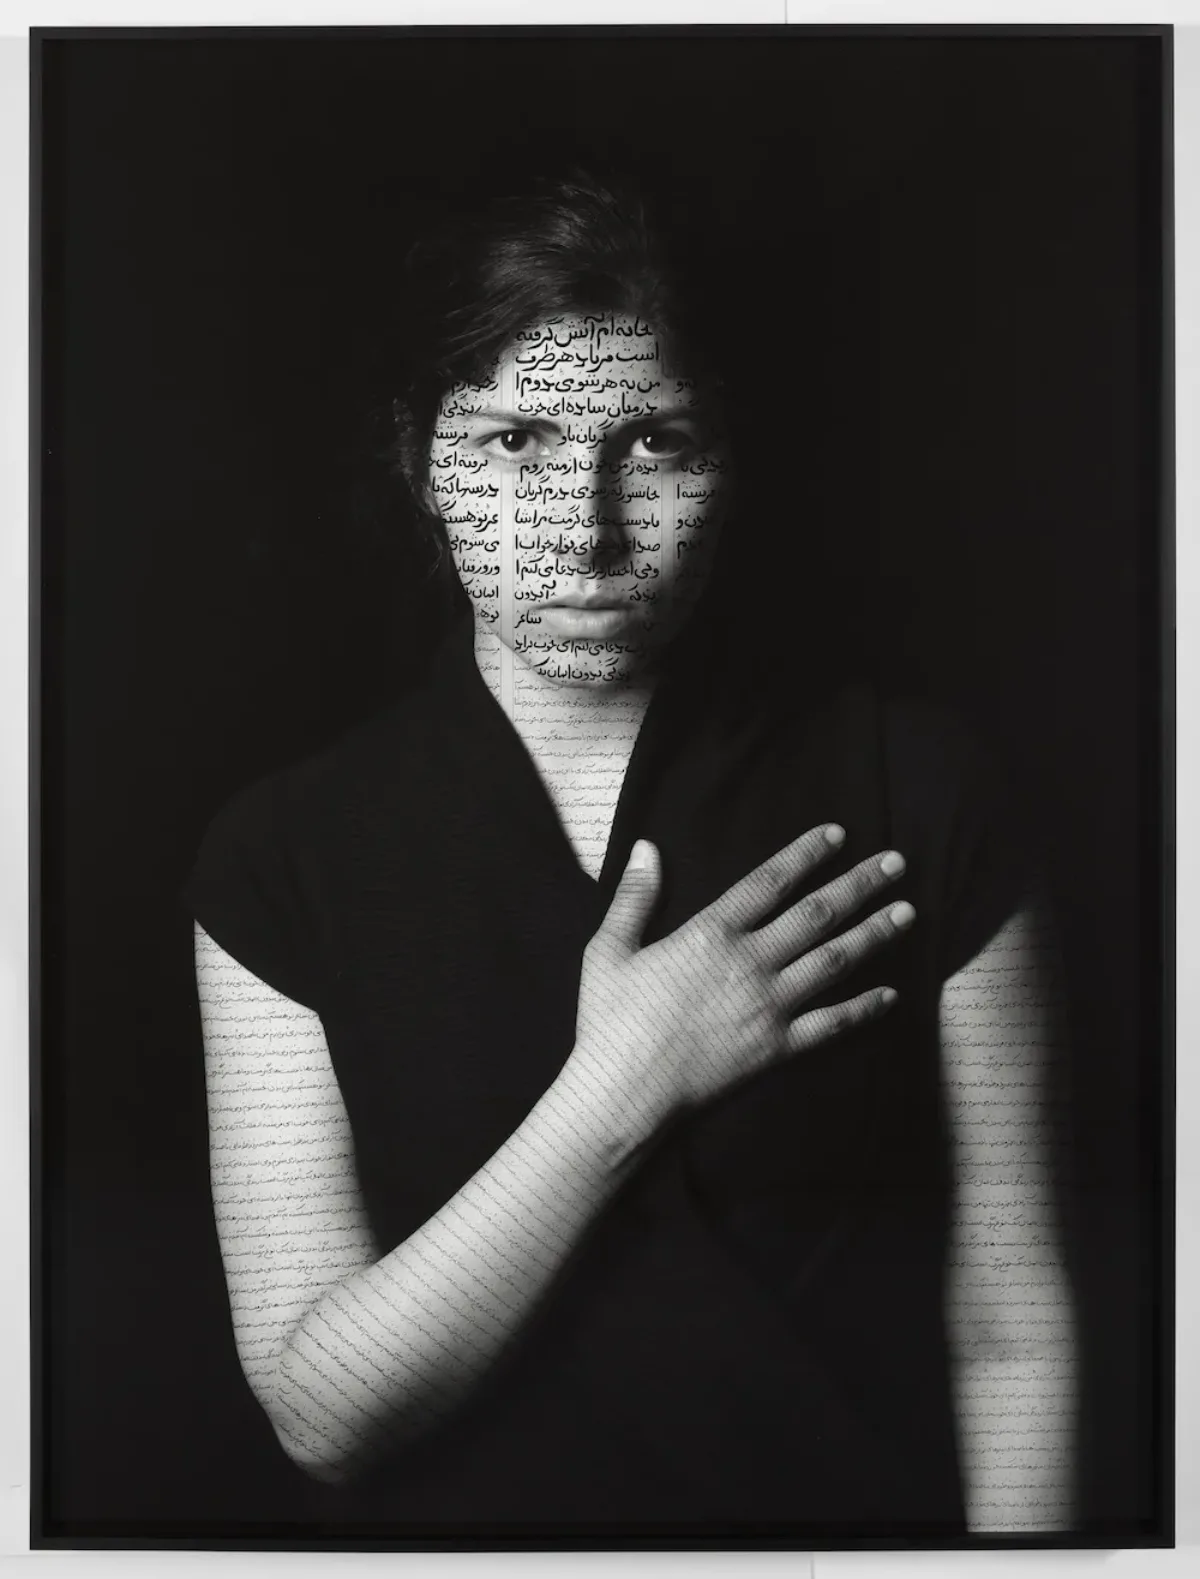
x: 762, y: 890
x: 633, y: 901
x: 811, y: 918
x: 829, y: 962
x: 823, y: 1025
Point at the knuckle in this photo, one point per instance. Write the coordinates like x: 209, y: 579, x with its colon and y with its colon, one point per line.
x: 773, y: 878
x: 778, y: 1001
x: 707, y: 950
x: 868, y: 934
x: 712, y: 930
x: 868, y: 874
x: 746, y: 962
x: 775, y: 1030
x: 833, y: 959
x: 599, y: 947
x: 839, y: 1018
x: 816, y: 911
x: 860, y: 885
x: 820, y: 842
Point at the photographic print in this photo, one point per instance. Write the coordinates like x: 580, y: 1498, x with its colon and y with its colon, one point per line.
x: 602, y: 970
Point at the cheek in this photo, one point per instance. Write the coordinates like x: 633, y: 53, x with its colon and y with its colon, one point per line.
x: 451, y: 493
x: 468, y: 505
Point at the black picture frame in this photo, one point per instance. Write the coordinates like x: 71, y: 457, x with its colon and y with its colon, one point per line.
x: 194, y: 192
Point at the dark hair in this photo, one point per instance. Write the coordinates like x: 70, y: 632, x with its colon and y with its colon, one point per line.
x: 582, y: 243
x: 769, y: 299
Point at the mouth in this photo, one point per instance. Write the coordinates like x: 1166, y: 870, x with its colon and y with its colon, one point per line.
x: 576, y: 618
x: 603, y: 602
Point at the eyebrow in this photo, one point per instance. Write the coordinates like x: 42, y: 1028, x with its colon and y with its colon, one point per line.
x: 527, y: 419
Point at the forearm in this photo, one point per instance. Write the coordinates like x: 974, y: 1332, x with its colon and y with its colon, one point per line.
x: 1016, y: 1380
x: 1010, y: 1310
x: 390, y: 1351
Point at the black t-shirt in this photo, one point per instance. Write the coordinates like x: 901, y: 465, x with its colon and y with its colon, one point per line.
x: 751, y: 1335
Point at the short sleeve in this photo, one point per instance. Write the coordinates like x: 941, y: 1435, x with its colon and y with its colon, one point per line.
x: 954, y: 803
x: 247, y: 891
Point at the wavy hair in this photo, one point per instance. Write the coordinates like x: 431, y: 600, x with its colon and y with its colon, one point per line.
x: 580, y: 243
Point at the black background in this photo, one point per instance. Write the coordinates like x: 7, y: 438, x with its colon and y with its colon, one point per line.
x: 980, y: 423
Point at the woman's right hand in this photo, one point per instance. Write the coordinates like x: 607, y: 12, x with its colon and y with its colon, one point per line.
x: 678, y: 1021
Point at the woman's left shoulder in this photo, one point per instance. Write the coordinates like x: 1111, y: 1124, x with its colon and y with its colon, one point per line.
x: 956, y: 811
x: 944, y: 769
x: 939, y: 779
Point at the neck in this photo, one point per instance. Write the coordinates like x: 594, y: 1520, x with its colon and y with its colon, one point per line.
x: 605, y: 712
x: 580, y: 739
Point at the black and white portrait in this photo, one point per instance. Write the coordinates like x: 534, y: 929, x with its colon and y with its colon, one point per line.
x: 602, y: 786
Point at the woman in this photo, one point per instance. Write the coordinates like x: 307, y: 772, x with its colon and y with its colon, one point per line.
x: 628, y: 1079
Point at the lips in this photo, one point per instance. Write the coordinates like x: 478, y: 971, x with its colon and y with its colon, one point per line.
x: 579, y: 600
x: 584, y: 619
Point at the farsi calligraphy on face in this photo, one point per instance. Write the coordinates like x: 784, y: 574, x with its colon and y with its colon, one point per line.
x: 582, y: 487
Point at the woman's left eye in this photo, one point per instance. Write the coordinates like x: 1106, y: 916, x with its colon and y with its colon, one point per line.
x: 659, y: 444
x: 514, y: 444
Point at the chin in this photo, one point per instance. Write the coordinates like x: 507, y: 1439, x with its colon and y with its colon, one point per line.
x: 591, y: 664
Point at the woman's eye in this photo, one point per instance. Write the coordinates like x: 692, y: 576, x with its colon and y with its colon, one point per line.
x: 659, y: 444
x: 514, y: 444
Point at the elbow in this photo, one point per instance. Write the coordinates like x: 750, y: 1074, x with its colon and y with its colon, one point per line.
x: 322, y: 1461
x: 326, y: 1471
x: 335, y: 1437
x: 335, y: 1448
x: 315, y: 1441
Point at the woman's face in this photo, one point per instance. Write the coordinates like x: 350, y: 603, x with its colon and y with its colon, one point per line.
x: 582, y: 489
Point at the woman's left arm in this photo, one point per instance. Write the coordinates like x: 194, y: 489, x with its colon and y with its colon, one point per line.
x: 1010, y: 1310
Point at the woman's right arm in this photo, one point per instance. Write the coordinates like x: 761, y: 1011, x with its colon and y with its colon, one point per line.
x: 349, y: 1352
x: 345, y: 1350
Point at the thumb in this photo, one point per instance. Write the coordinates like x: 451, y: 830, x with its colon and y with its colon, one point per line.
x: 634, y: 899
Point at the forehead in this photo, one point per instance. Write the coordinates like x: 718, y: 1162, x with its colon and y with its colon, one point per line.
x: 592, y: 340
x: 582, y: 355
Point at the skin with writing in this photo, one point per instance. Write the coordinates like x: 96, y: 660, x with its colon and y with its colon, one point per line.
x: 583, y: 486
x: 582, y: 489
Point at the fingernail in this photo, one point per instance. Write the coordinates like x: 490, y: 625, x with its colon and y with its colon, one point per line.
x: 835, y: 835
x: 902, y: 915
x: 889, y: 996
x: 892, y: 864
x: 641, y: 856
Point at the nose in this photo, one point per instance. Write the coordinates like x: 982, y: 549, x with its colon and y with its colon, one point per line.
x: 594, y: 529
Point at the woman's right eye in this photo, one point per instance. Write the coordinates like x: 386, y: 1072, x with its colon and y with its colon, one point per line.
x: 514, y: 444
